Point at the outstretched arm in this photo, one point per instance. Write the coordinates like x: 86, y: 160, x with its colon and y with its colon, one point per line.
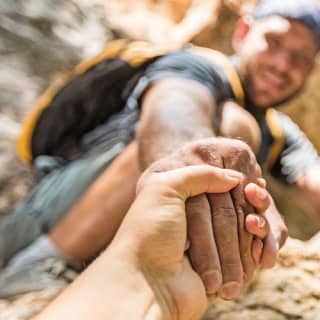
x: 177, y: 111
x: 174, y: 112
x: 144, y: 273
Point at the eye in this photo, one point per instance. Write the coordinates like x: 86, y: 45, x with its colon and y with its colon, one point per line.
x: 301, y: 61
x: 273, y: 42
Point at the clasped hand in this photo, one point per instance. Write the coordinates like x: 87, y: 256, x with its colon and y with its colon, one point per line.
x: 229, y: 234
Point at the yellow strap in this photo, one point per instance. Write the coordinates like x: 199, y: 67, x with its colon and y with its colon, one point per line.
x: 277, y: 134
x: 23, y: 144
x: 113, y: 49
x: 139, y: 52
x: 220, y: 59
x: 135, y: 53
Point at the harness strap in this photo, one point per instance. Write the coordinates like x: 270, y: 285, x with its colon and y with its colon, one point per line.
x: 135, y: 53
x: 224, y: 62
x: 277, y: 134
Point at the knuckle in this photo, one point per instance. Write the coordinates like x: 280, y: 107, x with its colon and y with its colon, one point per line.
x: 240, y: 201
x: 199, y: 216
x: 227, y: 213
x: 206, y: 151
x: 197, y: 205
x: 201, y: 238
x: 241, y: 148
x: 232, y: 271
x: 203, y: 261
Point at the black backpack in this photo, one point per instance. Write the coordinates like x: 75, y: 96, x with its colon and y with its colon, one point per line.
x: 98, y: 88
x: 85, y: 98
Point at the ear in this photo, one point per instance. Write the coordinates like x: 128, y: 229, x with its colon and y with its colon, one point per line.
x: 242, y: 28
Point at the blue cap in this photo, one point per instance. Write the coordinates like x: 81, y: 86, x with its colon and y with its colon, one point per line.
x: 306, y: 12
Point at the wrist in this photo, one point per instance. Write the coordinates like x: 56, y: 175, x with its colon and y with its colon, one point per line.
x: 140, y: 286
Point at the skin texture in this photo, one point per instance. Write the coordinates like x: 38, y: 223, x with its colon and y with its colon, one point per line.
x: 145, y: 264
x: 163, y: 113
x: 226, y: 211
x: 247, y: 128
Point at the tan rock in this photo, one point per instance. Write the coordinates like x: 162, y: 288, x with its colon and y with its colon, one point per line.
x: 289, y: 291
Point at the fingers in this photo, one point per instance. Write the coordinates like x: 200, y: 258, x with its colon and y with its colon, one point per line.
x: 262, y: 183
x: 225, y: 227
x: 270, y: 252
x: 193, y: 180
x: 257, y: 225
x: 258, y: 197
x: 277, y: 224
x: 276, y: 237
x: 245, y: 238
x: 202, y: 251
x: 257, y: 249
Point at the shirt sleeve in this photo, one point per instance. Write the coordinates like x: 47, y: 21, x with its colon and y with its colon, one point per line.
x: 188, y: 65
x: 297, y: 155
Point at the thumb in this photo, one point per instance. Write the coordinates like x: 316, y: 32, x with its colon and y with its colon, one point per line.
x: 191, y: 181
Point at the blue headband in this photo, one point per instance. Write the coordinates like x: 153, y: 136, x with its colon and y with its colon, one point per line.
x: 306, y: 12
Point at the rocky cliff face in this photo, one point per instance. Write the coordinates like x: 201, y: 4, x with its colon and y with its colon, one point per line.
x: 289, y: 291
x: 41, y: 39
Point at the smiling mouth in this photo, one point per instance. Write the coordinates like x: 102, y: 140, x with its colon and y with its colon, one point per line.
x: 273, y: 80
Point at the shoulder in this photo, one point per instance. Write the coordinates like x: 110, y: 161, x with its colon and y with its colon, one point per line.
x: 209, y: 67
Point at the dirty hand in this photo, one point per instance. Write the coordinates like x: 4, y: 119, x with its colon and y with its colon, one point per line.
x: 223, y: 253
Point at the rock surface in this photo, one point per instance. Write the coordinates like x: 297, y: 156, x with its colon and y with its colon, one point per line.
x: 290, y: 291
x: 41, y: 39
x: 14, y: 178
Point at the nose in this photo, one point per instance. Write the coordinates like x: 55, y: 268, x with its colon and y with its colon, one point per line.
x: 282, y: 61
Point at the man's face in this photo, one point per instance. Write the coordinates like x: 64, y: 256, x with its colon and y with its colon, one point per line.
x: 275, y: 57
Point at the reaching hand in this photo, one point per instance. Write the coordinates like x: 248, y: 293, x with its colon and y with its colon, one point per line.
x: 154, y: 233
x: 221, y: 250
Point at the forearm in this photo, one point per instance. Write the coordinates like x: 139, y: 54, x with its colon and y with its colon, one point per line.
x: 174, y: 112
x: 106, y: 207
x: 111, y: 288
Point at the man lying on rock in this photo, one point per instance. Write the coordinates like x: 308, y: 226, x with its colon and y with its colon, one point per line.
x: 136, y: 106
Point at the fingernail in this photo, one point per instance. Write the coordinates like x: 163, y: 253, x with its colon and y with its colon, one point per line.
x: 262, y: 182
x: 212, y: 281
x: 260, y: 222
x: 230, y: 290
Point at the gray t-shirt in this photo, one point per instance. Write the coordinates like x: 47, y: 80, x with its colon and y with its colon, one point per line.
x: 297, y: 154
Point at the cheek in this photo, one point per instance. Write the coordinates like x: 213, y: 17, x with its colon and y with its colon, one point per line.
x: 297, y: 80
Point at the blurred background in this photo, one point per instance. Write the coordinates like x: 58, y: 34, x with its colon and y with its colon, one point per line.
x: 40, y: 40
